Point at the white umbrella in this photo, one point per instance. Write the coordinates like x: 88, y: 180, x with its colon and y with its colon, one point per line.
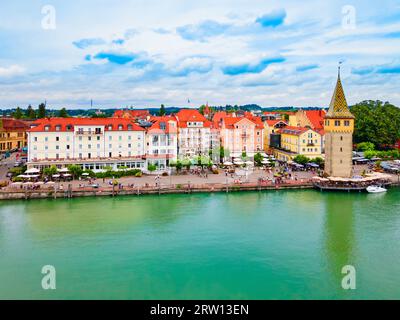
x: 56, y: 176
x: 32, y: 171
x: 265, y: 162
x: 50, y: 182
x: 85, y: 174
x: 63, y: 170
x: 264, y: 155
x: 16, y: 183
x: 239, y: 162
x: 249, y: 163
x: 39, y: 183
x: 67, y: 175
x: 227, y: 163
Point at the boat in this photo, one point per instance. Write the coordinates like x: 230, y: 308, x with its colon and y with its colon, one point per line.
x: 376, y: 189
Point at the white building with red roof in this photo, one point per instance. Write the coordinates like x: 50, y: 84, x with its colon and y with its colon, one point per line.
x: 194, y: 133
x: 162, y: 141
x: 93, y: 143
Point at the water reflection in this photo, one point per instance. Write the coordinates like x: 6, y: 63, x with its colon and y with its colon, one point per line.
x: 339, y: 233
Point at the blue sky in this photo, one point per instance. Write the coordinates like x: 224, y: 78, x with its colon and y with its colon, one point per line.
x: 144, y: 53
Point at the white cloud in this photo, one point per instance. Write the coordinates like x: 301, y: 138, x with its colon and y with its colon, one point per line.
x: 11, y: 71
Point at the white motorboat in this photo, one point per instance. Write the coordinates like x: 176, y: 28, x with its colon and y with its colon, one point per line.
x: 376, y: 189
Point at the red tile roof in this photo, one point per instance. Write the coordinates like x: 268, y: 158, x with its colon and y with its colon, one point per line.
x: 39, y: 125
x: 157, y: 121
x: 316, y: 117
x: 7, y: 124
x: 131, y: 114
x: 272, y: 123
x: 229, y: 122
x: 191, y: 115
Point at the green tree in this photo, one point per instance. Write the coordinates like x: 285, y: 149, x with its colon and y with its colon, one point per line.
x: 75, y: 170
x: 42, y: 111
x: 258, y: 158
x: 318, y: 160
x: 376, y: 122
x: 244, y: 155
x: 365, y: 146
x: 50, y: 171
x: 30, y: 113
x: 63, y: 113
x: 300, y: 159
x: 18, y: 114
x: 162, y: 111
x: 151, y: 167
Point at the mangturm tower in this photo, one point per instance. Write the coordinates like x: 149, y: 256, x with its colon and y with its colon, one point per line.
x: 339, y: 128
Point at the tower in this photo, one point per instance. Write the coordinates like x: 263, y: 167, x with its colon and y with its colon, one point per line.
x: 339, y: 128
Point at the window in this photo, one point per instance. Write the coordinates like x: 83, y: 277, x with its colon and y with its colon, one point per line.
x: 35, y: 139
x: 68, y: 147
x: 80, y: 138
x: 98, y: 146
x: 341, y: 149
x: 110, y: 127
x: 58, y: 128
x: 69, y: 127
x: 98, y: 130
x: 120, y: 127
x: 46, y: 139
x: 89, y: 146
x: 46, y: 128
x: 130, y: 127
x: 346, y: 123
x: 337, y: 123
x: 98, y: 138
x: 57, y: 138
x: 57, y: 147
x: 341, y: 138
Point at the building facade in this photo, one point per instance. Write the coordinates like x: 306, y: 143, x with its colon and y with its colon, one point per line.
x: 162, y: 142
x: 242, y: 135
x: 194, y: 133
x: 339, y: 128
x: 92, y: 143
x: 12, y: 134
x: 298, y: 141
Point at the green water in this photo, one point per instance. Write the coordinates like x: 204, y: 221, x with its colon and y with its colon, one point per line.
x: 267, y: 245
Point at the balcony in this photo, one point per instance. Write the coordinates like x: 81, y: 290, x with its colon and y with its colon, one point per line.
x: 88, y: 132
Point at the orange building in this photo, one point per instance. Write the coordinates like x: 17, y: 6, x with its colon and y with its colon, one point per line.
x: 12, y: 134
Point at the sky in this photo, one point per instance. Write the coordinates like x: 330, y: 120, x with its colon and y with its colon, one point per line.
x: 186, y: 53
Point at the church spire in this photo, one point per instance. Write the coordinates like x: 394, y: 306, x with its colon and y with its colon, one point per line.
x: 338, y: 107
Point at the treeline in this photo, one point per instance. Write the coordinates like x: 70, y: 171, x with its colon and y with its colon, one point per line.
x: 32, y: 114
x: 377, y: 122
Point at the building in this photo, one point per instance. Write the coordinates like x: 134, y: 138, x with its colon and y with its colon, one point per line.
x: 93, y: 143
x: 133, y: 114
x: 298, y: 141
x: 194, y: 133
x: 339, y: 128
x: 313, y: 119
x: 12, y: 134
x: 242, y: 135
x: 271, y: 128
x: 162, y: 141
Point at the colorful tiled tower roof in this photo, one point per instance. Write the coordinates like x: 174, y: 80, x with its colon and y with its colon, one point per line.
x: 338, y: 107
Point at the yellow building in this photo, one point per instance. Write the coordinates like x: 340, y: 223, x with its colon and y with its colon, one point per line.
x: 299, y: 141
x: 12, y: 134
x: 271, y: 127
x: 339, y: 128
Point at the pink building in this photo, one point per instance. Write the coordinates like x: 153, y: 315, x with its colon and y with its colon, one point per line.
x: 242, y: 134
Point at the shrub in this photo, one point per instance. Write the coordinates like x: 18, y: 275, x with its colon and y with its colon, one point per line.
x: 152, y: 167
x: 165, y: 174
x: 138, y: 174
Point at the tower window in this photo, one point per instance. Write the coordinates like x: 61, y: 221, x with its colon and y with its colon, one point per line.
x: 337, y: 123
x: 341, y: 138
x: 347, y: 123
x: 341, y: 149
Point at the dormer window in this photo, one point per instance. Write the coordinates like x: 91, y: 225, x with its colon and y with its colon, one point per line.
x: 110, y: 127
x: 69, y: 127
x: 120, y: 127
x: 162, y: 125
x: 46, y: 128
x: 130, y: 127
x: 58, y: 128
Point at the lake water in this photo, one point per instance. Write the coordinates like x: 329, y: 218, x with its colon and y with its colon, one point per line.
x: 250, y: 245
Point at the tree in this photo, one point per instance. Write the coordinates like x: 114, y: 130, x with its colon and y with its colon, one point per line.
x: 365, y: 146
x: 376, y: 122
x: 300, y: 159
x: 151, y: 167
x: 244, y: 155
x: 162, y: 111
x: 63, y: 113
x: 50, y: 171
x: 18, y: 114
x: 42, y: 111
x: 75, y: 170
x: 318, y: 160
x: 258, y: 158
x: 30, y: 113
